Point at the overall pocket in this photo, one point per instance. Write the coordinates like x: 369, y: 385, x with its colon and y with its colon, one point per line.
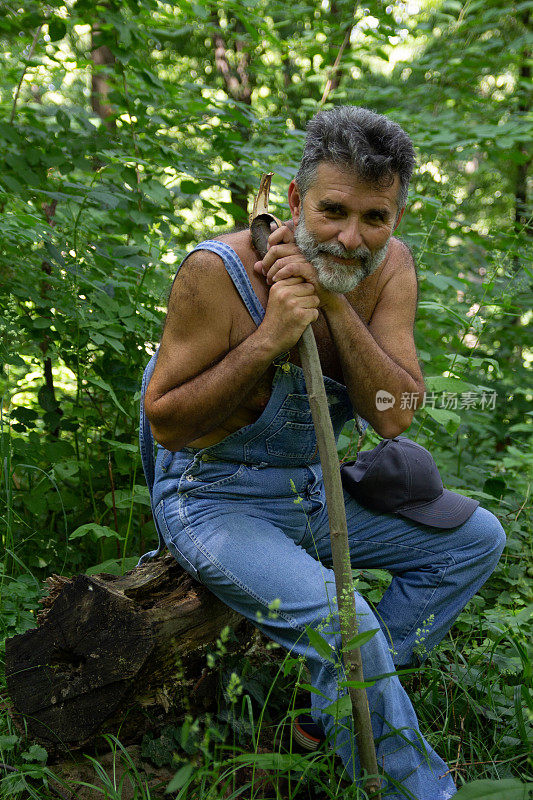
x: 294, y: 440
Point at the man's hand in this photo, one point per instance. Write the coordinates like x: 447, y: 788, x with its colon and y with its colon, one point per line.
x: 284, y: 260
x: 292, y: 306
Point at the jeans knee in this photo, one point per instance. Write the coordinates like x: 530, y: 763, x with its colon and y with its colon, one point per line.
x: 490, y: 535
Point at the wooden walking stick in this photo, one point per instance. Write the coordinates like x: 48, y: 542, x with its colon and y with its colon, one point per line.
x: 260, y: 227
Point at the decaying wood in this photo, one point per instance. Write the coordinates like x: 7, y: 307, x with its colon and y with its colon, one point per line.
x: 327, y: 448
x: 114, y: 654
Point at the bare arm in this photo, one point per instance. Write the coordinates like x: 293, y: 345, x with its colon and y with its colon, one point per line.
x: 382, y: 355
x: 198, y: 381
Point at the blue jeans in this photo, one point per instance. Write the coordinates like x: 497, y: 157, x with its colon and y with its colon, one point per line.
x: 258, y: 537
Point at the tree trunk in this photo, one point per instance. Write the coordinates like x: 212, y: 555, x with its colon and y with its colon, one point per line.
x: 102, y: 57
x: 115, y: 654
x: 338, y: 46
x: 103, y: 65
x: 238, y: 86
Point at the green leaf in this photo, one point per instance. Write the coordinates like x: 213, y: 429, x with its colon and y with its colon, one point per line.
x: 271, y: 761
x: 508, y: 789
x: 189, y: 187
x: 341, y: 708
x: 66, y: 470
x: 431, y: 305
x: 46, y: 398
x: 35, y: 753
x: 106, y: 199
x: 375, y: 679
x: 180, y: 778
x: 443, y: 416
x: 94, y: 531
x: 440, y: 383
x: 356, y: 684
x: 63, y: 120
x: 54, y: 253
x: 40, y: 323
x: 360, y: 639
x: 113, y: 566
x: 8, y: 742
x: 116, y: 445
x: 12, y: 184
x: 122, y: 251
x: 109, y: 389
x: 322, y: 647
x: 56, y: 29
x: 308, y: 687
x: 25, y: 415
x: 125, y: 497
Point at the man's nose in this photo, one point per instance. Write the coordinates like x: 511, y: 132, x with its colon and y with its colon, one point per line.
x: 350, y: 235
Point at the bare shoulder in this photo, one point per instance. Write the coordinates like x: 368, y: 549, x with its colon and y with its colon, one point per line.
x: 201, y: 283
x: 399, y: 259
x: 398, y: 290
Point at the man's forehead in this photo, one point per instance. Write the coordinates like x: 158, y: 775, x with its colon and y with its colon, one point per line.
x: 333, y: 181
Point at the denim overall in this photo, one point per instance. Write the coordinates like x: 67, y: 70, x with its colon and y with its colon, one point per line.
x: 247, y: 518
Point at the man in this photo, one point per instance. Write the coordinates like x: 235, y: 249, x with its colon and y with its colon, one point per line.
x: 238, y: 496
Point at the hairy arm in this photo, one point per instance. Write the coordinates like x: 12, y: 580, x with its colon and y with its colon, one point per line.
x: 198, y: 382
x: 382, y: 355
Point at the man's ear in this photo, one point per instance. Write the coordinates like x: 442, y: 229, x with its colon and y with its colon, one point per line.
x: 295, y: 201
x: 400, y: 215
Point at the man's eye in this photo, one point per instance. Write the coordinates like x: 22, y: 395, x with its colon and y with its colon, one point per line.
x: 376, y: 216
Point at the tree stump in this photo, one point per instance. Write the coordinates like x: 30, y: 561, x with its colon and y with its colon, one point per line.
x: 113, y: 654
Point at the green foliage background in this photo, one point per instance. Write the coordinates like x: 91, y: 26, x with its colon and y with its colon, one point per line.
x: 110, y: 172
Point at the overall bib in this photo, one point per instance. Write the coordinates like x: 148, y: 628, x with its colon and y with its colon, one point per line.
x: 247, y: 518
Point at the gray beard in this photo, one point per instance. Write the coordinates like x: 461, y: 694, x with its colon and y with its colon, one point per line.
x: 332, y: 275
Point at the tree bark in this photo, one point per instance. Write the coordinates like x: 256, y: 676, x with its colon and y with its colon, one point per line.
x: 344, y: 31
x: 239, y: 87
x: 102, y: 59
x: 115, y: 654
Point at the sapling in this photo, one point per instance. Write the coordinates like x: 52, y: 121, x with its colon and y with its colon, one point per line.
x: 261, y: 226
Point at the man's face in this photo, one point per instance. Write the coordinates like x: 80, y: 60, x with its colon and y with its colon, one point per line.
x: 343, y: 226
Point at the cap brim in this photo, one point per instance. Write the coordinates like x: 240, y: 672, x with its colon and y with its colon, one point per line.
x: 447, y: 511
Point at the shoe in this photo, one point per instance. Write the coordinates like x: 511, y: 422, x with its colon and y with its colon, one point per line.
x: 307, y: 733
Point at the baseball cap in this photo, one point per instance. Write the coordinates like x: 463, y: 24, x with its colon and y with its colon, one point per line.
x: 400, y: 476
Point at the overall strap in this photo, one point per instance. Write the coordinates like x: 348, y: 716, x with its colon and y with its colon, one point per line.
x: 238, y: 275
x: 146, y: 446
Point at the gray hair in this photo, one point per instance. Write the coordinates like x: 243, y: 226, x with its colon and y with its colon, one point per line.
x: 368, y: 144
